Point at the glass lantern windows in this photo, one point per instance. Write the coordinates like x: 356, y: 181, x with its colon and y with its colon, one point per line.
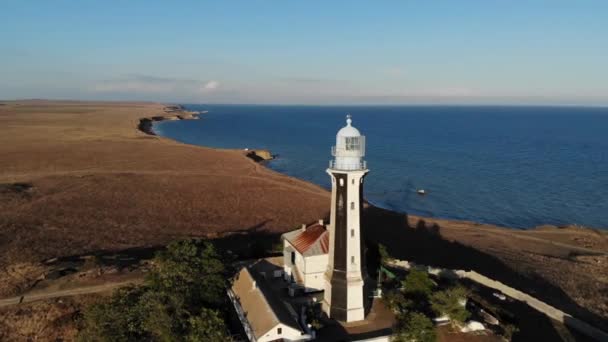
x: 353, y: 143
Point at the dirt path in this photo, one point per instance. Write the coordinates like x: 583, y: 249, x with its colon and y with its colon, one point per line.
x: 42, y: 295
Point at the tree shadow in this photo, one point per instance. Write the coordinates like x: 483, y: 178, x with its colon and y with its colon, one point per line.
x: 424, y: 244
x: 248, y: 243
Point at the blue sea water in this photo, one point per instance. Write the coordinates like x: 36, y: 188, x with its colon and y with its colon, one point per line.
x: 512, y: 166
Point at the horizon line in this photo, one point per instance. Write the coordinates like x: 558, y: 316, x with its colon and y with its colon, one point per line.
x: 422, y: 104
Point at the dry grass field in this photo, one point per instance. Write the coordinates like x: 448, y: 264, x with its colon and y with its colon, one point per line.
x: 79, y: 177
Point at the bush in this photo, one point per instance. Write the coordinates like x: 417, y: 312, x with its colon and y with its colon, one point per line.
x: 415, y: 326
x: 208, y: 326
x: 384, y: 255
x: 118, y: 319
x: 397, y: 301
x: 418, y: 284
x: 447, y: 303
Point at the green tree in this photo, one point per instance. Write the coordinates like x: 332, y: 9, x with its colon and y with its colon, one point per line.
x: 195, y: 272
x: 384, y: 255
x: 448, y: 302
x: 118, y: 319
x: 415, y: 326
x: 418, y: 284
x: 165, y: 315
x: 397, y: 301
x: 208, y: 326
x: 176, y: 303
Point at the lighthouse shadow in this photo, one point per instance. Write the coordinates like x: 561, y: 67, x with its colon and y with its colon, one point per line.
x: 423, y: 243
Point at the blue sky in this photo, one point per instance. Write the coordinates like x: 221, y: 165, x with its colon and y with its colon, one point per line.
x: 307, y: 52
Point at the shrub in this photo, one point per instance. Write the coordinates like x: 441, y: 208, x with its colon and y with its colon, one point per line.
x: 447, y: 303
x: 418, y: 284
x: 415, y: 326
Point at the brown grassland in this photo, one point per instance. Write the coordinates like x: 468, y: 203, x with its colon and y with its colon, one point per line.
x: 79, y: 177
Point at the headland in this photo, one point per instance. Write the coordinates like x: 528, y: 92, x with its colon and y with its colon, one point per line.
x: 81, y: 178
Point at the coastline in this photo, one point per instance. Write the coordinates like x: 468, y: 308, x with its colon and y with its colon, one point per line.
x: 173, y: 113
x: 142, y: 190
x: 466, y: 233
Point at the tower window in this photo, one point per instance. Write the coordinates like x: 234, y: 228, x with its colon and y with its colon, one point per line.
x: 352, y: 259
x: 352, y: 205
x: 279, y: 331
x: 353, y: 181
x: 352, y: 143
x: 352, y: 233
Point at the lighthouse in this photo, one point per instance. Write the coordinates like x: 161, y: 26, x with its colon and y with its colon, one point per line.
x: 344, y: 279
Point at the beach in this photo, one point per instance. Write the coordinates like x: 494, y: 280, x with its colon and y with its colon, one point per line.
x: 81, y: 177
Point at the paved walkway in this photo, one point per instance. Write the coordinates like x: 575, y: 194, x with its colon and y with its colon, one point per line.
x: 42, y: 295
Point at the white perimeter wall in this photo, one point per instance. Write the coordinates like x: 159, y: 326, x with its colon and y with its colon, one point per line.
x: 287, y: 333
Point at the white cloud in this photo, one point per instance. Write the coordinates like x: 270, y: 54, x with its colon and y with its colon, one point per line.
x: 146, y: 84
x: 210, y: 86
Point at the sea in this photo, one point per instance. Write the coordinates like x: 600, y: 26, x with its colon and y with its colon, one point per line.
x: 512, y: 166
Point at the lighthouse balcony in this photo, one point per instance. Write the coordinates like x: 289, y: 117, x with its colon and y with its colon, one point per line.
x: 348, y: 166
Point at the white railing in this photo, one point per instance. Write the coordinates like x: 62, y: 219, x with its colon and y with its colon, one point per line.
x: 361, y: 165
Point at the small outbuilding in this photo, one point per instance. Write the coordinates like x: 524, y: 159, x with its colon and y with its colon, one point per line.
x: 305, y: 254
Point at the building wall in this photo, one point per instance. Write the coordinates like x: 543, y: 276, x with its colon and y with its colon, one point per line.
x: 311, y: 268
x: 287, y: 333
x: 316, y: 266
x: 287, y: 265
x: 290, y: 267
x: 242, y: 316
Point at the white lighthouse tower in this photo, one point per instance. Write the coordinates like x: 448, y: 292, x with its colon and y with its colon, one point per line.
x: 344, y: 279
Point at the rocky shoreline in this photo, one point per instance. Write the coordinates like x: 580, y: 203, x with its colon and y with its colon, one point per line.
x: 174, y: 113
x: 179, y: 112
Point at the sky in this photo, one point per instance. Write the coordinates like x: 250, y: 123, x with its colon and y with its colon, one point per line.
x: 307, y: 52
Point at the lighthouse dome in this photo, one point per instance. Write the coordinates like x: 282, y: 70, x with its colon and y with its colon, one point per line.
x: 349, y: 149
x: 348, y: 130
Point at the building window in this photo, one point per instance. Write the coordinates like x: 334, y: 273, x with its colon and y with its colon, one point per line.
x: 279, y: 331
x: 293, y: 258
x: 353, y: 181
x: 352, y: 144
x: 352, y: 259
x: 352, y: 205
x: 352, y: 233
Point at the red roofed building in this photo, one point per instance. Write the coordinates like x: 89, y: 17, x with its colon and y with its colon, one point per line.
x: 305, y: 253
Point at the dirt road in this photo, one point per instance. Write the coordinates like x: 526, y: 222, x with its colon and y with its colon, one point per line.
x: 42, y: 295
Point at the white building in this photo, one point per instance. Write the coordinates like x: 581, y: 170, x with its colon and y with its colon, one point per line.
x: 305, y: 254
x: 262, y: 313
x: 344, y: 279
